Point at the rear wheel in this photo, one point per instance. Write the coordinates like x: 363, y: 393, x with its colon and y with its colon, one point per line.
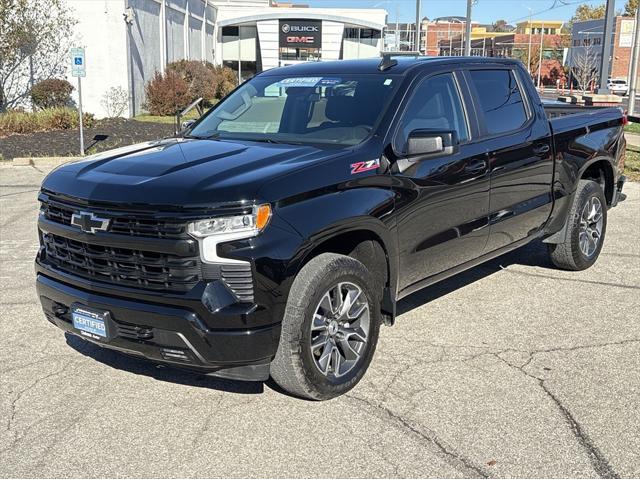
x: 585, y: 231
x: 330, y: 328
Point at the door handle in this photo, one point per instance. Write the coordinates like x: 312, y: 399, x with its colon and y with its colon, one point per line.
x: 540, y: 150
x: 475, y: 166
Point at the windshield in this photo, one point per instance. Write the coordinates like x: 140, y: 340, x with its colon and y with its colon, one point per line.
x: 340, y: 109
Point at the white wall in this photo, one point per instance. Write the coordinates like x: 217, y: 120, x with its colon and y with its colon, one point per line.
x: 269, y: 43
x: 101, y: 31
x: 332, y: 33
x: 162, y: 31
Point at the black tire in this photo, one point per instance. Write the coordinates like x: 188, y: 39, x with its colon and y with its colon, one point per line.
x: 568, y: 255
x: 294, y: 367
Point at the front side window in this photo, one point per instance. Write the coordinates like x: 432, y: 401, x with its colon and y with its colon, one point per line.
x: 435, y: 105
x: 336, y: 109
x: 500, y: 99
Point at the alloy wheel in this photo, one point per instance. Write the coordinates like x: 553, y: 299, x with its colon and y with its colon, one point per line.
x: 591, y: 223
x: 340, y: 329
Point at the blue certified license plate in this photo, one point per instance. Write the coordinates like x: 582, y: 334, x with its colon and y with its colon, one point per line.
x: 89, y: 322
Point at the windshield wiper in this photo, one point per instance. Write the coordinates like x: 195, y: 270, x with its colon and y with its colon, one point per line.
x: 275, y: 142
x: 213, y: 136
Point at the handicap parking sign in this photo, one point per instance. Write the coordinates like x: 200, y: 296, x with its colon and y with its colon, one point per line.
x: 77, y: 62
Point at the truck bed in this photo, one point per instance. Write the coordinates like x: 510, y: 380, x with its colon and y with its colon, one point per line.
x: 555, y: 109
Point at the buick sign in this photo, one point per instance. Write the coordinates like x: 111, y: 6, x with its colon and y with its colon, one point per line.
x: 300, y: 33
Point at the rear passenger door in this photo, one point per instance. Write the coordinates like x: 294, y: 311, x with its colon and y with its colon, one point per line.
x: 442, y: 202
x: 516, y: 136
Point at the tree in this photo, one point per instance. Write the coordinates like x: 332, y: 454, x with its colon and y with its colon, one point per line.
x: 630, y: 8
x: 500, y: 26
x: 587, y: 12
x: 584, y: 66
x: 34, y: 44
x: 532, y: 62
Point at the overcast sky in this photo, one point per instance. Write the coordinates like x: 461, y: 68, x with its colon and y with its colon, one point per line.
x: 486, y: 11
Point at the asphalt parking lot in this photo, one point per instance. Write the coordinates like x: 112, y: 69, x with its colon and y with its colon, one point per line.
x: 513, y: 369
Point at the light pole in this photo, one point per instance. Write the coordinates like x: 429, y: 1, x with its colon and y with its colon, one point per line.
x: 633, y: 78
x: 467, y: 27
x: 540, y: 59
x: 417, y: 40
x: 530, y: 31
x: 606, y: 47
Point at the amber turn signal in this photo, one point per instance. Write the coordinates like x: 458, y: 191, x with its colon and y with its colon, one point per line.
x: 263, y: 215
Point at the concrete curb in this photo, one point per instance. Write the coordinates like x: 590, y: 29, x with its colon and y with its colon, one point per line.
x: 43, y: 161
x: 633, y: 139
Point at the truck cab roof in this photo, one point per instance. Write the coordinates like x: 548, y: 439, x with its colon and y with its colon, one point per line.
x: 404, y: 65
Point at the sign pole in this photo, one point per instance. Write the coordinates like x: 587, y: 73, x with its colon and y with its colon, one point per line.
x: 78, y: 69
x: 80, y: 114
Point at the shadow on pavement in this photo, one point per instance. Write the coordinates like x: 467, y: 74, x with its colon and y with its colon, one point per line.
x: 534, y: 254
x: 136, y: 365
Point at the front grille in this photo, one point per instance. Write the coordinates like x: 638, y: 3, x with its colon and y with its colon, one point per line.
x: 123, y: 224
x: 135, y: 267
x: 122, y: 266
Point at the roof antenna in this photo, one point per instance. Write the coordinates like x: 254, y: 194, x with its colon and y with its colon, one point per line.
x: 387, y: 62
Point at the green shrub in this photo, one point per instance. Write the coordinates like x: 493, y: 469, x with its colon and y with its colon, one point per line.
x: 167, y: 94
x: 45, y: 120
x: 52, y: 93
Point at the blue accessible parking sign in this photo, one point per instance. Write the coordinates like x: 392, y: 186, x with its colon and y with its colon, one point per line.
x: 78, y: 63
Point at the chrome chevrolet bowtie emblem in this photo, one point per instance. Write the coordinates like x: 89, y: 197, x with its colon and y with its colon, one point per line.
x: 90, y: 223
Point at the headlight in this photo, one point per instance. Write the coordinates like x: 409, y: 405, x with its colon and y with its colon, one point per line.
x: 211, y: 232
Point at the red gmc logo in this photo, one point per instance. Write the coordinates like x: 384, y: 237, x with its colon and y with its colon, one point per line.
x: 300, y: 40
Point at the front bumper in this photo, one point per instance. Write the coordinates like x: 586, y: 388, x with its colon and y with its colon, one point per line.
x: 164, y: 333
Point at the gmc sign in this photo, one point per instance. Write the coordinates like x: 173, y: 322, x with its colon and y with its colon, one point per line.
x: 300, y: 33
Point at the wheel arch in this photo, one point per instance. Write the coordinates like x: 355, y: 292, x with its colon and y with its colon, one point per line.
x: 369, y: 242
x: 601, y: 171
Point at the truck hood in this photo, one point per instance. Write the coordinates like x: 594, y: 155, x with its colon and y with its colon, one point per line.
x: 182, y: 172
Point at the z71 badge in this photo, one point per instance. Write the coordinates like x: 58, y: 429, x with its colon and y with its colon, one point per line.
x: 362, y: 166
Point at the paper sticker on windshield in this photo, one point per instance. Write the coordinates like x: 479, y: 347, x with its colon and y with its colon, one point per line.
x: 329, y: 81
x: 307, y: 82
x: 362, y: 166
x: 299, y: 82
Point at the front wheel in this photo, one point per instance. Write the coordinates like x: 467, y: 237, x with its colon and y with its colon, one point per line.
x: 329, y: 330
x: 587, y: 225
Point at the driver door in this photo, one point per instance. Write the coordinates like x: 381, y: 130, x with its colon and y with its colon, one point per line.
x: 442, y: 201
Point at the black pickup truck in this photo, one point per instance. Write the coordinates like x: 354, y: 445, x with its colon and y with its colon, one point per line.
x: 275, y: 235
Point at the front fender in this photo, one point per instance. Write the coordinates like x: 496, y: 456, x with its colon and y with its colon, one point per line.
x: 363, y: 209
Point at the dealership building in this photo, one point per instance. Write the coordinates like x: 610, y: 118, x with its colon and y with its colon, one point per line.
x: 127, y: 41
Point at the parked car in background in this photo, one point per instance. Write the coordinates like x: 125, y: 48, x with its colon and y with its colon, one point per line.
x: 276, y: 234
x: 618, y: 86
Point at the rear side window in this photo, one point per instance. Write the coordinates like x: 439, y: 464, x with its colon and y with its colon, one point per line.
x: 435, y: 105
x: 500, y: 99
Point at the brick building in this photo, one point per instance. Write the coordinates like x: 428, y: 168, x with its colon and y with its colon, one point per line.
x: 516, y: 45
x: 439, y: 31
x: 531, y: 36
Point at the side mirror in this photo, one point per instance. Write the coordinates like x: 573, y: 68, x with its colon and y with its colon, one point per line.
x: 425, y: 143
x: 187, y: 124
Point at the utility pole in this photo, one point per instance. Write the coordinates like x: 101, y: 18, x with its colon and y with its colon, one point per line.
x: 605, y: 61
x: 418, y: 26
x: 467, y: 35
x: 634, y: 64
